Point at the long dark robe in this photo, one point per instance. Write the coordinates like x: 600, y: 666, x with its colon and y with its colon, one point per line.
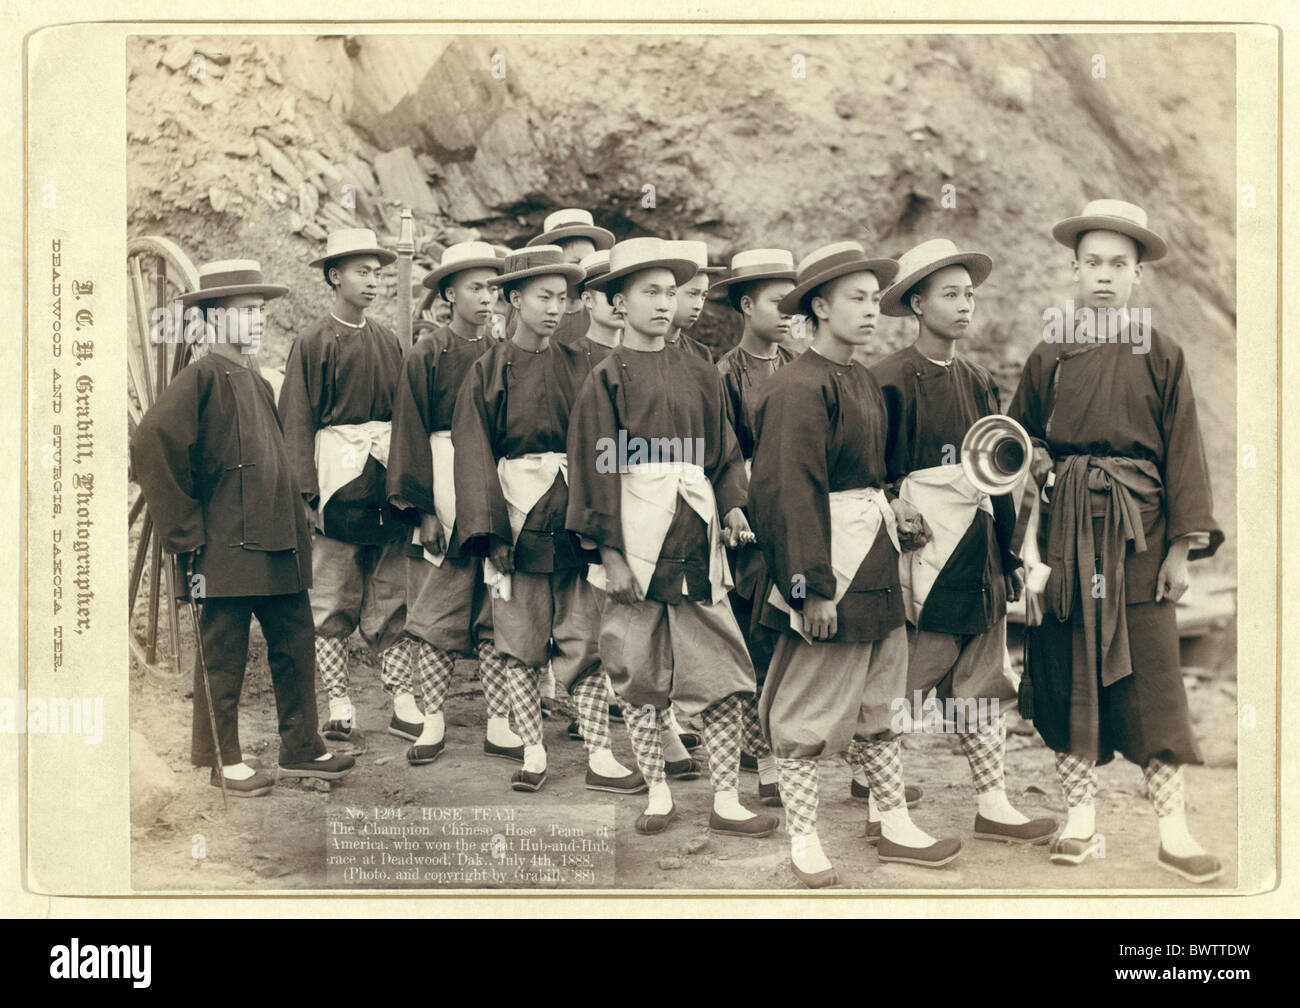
x: 1105, y: 400
x: 211, y: 461
x: 335, y: 375
x: 690, y: 345
x: 593, y: 351
x: 572, y: 326
x: 931, y: 407
x: 515, y: 402
x: 653, y: 394
x: 820, y: 427
x: 433, y: 373
x: 741, y: 373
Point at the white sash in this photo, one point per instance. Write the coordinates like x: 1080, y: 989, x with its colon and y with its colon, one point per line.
x: 340, y: 455
x: 444, y: 491
x: 856, y: 516
x: 524, y: 481
x: 948, y: 502
x: 648, y: 498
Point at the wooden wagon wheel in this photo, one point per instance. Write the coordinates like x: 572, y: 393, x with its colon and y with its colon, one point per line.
x: 158, y: 272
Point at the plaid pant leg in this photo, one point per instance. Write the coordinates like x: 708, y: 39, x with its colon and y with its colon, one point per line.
x: 1078, y: 777
x: 525, y: 701
x: 395, y: 668
x: 643, y: 730
x: 433, y: 668
x: 1165, y: 786
x: 752, y: 732
x: 853, y: 755
x: 985, y: 752
x: 332, y: 661
x: 722, y: 733
x: 492, y: 673
x: 591, y: 700
x: 882, y: 763
x: 799, y: 795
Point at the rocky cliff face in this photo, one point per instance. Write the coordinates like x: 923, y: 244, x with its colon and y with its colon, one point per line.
x: 257, y: 146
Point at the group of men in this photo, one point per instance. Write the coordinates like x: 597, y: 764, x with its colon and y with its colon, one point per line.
x: 781, y: 547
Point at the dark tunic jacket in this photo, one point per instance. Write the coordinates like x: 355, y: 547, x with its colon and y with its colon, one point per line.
x: 653, y: 394
x: 1105, y: 400
x: 432, y: 375
x: 211, y: 461
x: 515, y: 402
x: 334, y: 376
x: 690, y: 345
x: 930, y: 408
x: 741, y: 372
x: 820, y: 427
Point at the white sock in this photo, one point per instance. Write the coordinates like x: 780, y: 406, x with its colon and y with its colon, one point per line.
x: 897, y: 826
x: 1176, y: 838
x: 727, y: 804
x: 671, y: 720
x: 673, y: 748
x: 535, y: 758
x: 435, y: 727
x: 1080, y: 822
x: 767, y: 772
x: 341, y: 709
x: 660, y: 800
x: 873, y: 812
x: 807, y: 854
x: 610, y: 695
x: 237, y: 771
x: 404, y: 707
x: 323, y: 757
x: 602, y: 761
x: 994, y: 805
x: 546, y: 683
x: 499, y: 733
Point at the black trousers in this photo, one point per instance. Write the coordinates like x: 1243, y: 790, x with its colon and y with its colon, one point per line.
x: 290, y: 633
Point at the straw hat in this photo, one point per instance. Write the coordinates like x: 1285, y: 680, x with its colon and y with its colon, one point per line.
x: 752, y: 265
x: 463, y: 256
x: 929, y: 257
x: 537, y: 260
x: 593, y: 266
x: 572, y: 223
x: 228, y: 277
x: 1112, y: 215
x: 697, y: 251
x: 829, y: 263
x: 353, y: 242
x: 636, y: 254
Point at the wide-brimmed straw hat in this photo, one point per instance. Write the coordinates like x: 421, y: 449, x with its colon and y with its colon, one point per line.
x: 572, y: 222
x: 593, y: 266
x: 829, y: 263
x: 929, y: 257
x: 1112, y: 215
x: 636, y: 254
x: 229, y: 277
x: 697, y: 251
x: 353, y: 242
x: 463, y: 256
x: 534, y: 261
x: 753, y: 265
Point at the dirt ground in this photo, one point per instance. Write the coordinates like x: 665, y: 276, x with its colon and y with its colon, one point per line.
x: 279, y: 842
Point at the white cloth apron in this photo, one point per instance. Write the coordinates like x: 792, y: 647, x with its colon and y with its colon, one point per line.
x: 524, y: 481
x: 340, y: 456
x: 948, y: 502
x: 855, y: 517
x: 444, y: 492
x: 648, y: 499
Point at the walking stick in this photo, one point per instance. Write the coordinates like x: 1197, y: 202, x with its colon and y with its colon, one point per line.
x: 207, y: 692
x: 405, y: 253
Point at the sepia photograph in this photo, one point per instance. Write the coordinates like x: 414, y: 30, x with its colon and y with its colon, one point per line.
x: 771, y: 461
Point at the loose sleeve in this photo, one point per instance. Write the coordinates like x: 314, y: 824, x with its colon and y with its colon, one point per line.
x: 726, y: 465
x: 300, y: 412
x: 481, y: 515
x: 410, y: 460
x: 595, y: 504
x: 790, y: 491
x: 1190, y: 506
x: 1029, y: 406
x: 162, y: 455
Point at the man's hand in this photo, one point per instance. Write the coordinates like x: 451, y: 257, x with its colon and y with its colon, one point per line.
x: 1172, y: 580
x: 1040, y: 464
x: 819, y: 617
x: 431, y: 537
x: 620, y: 584
x: 1015, y: 583
x: 913, y: 532
x: 736, y: 530
x: 502, y: 556
x: 186, y: 567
